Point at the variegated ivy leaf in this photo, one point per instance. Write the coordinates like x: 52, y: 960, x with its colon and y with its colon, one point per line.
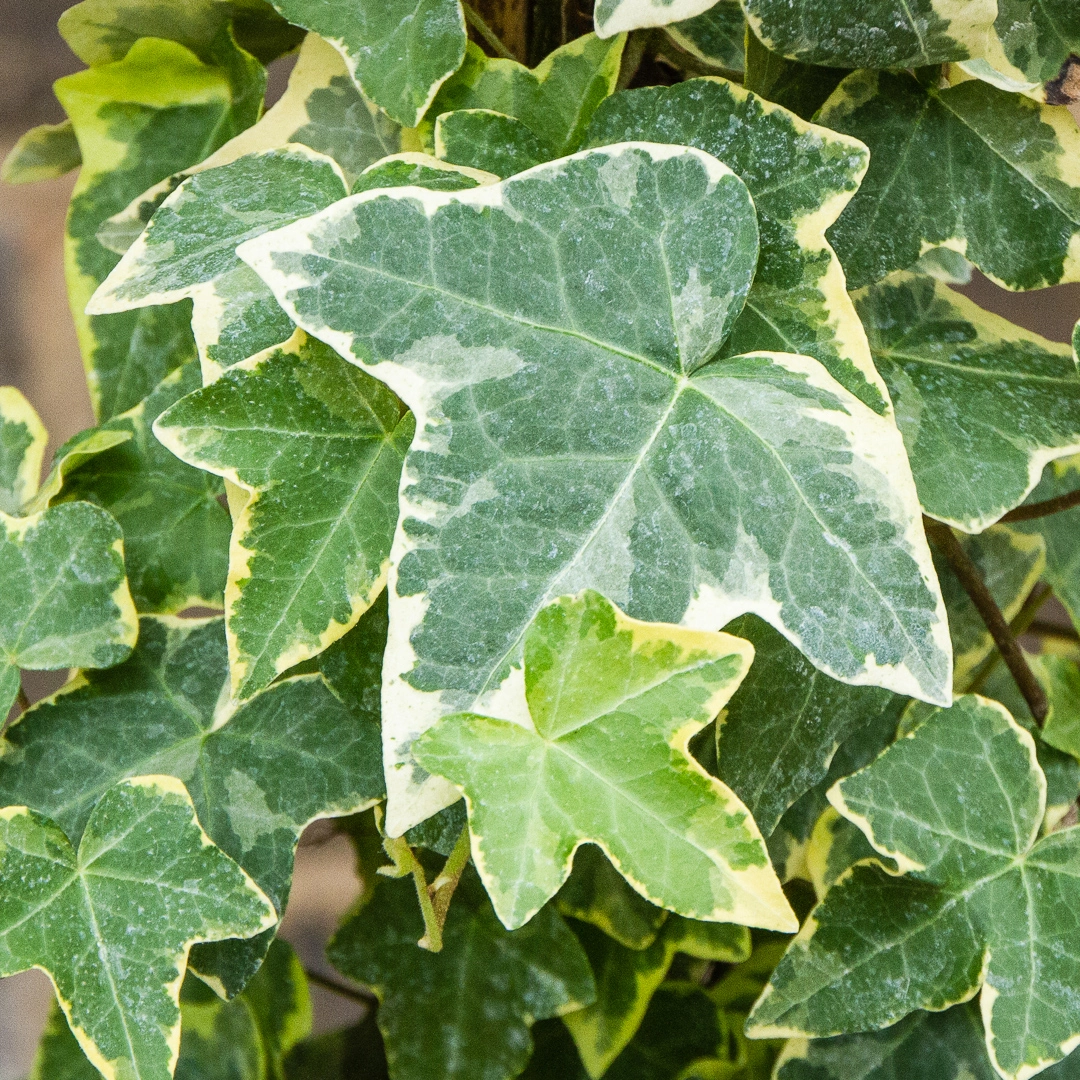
x: 1060, y: 677
x: 613, y: 704
x: 80, y: 448
x: 188, y: 251
x: 802, y: 88
x: 497, y: 144
x: 800, y: 176
x: 495, y: 983
x: 982, y: 404
x: 982, y: 902
x: 22, y: 447
x: 716, y: 37
x: 293, y: 754
x: 43, y: 153
x: 143, y: 861
x: 411, y: 169
x: 317, y: 445
x: 626, y: 980
x: 176, y: 532
x: 553, y: 102
x: 139, y: 119
x: 930, y: 149
x: 399, y: 52
x: 873, y: 33
x: 517, y: 491
x: 618, y: 16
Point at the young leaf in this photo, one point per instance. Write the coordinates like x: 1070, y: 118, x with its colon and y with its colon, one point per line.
x: 716, y: 37
x: 494, y: 983
x: 645, y: 481
x: 411, y: 169
x: 617, y: 16
x: 399, y: 52
x: 982, y: 404
x: 930, y: 149
x: 982, y: 903
x: 113, y: 923
x: 799, y: 302
x: 176, y: 532
x: 318, y: 445
x: 482, y: 139
x: 22, y: 447
x: 188, y: 251
x: 872, y: 33
x: 291, y: 755
x: 43, y: 153
x: 66, y: 599
x: 614, y: 703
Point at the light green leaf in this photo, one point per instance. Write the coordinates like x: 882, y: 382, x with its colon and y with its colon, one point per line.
x: 1061, y: 678
x: 318, y: 445
x: 777, y: 736
x: 716, y: 37
x: 614, y: 703
x: 929, y: 150
x: 518, y: 492
x: 22, y: 447
x: 43, y: 153
x: 873, y: 33
x: 420, y: 170
x: 143, y: 861
x: 553, y: 101
x: 176, y: 532
x: 490, y: 141
x: 982, y: 404
x: 291, y: 755
x: 982, y: 904
x: 399, y: 52
x: 494, y: 982
x: 138, y: 120
x: 626, y: 980
x: 59, y: 1056
x: 617, y: 16
x: 799, y: 301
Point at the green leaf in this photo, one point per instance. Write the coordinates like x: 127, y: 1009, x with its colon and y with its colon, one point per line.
x: 799, y: 302
x: 777, y: 735
x: 494, y: 983
x: 929, y: 150
x: 411, y: 169
x: 399, y: 52
x: 519, y: 492
x: 1061, y: 678
x: 176, y: 532
x: 490, y: 141
x: 982, y: 404
x: 627, y: 979
x: 291, y: 755
x: 802, y: 88
x: 139, y: 119
x: 716, y: 37
x: 554, y: 101
x: 616, y: 16
x: 79, y: 449
x: 188, y: 251
x: 614, y: 703
x: 982, y: 903
x: 353, y: 1053
x: 872, y: 33
x: 143, y: 862
x: 318, y: 445
x: 22, y: 447
x: 43, y: 153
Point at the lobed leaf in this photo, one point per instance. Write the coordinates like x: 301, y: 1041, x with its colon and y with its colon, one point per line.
x: 43, y: 153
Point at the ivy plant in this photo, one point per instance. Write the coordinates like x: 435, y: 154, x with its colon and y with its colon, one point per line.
x: 582, y: 476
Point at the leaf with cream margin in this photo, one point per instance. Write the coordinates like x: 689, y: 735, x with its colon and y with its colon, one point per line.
x: 399, y: 52
x: 516, y: 491
x: 188, y: 250
x: 22, y: 448
x: 139, y: 119
x: 618, y: 16
x: 317, y: 445
x: 802, y: 88
x: 982, y: 904
x: 873, y: 33
x: 614, y: 703
x: 495, y: 983
x: 411, y: 169
x: 990, y: 174
x: 482, y: 139
x: 292, y: 755
x: 983, y: 404
x: 43, y: 153
x: 112, y: 921
x: 800, y: 176
x: 716, y: 37
x: 176, y: 532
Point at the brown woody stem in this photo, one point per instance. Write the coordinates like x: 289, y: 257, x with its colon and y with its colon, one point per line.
x: 1044, y: 509
x: 340, y: 988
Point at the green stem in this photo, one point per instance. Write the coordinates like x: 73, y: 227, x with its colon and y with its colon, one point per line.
x: 406, y: 862
x: 444, y: 885
x: 491, y: 39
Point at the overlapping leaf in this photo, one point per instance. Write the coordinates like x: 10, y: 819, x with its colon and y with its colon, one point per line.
x: 144, y: 876
x: 43, y: 153
x: 988, y: 173
x: 982, y: 902
x: 616, y: 16
x: 292, y: 754
x: 596, y: 681
x: 716, y: 37
x: 646, y: 481
x: 493, y: 983
x: 317, y: 445
x: 800, y: 176
x: 22, y: 447
x: 802, y: 88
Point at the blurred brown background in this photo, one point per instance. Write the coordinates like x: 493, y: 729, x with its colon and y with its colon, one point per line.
x: 38, y: 354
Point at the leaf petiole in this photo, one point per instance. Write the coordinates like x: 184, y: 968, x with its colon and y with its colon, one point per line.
x: 1045, y: 508
x: 491, y: 39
